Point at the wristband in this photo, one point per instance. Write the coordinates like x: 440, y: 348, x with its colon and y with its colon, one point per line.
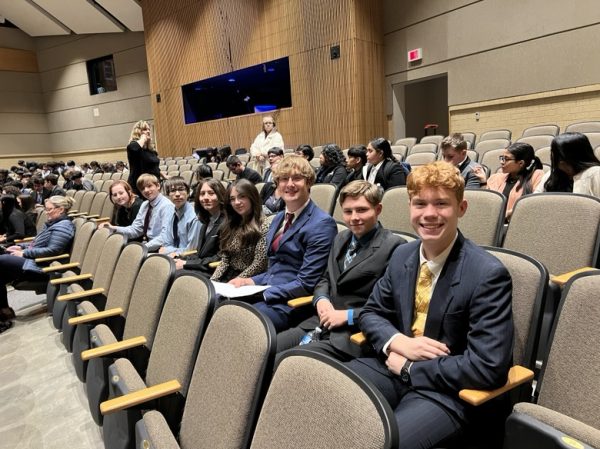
x: 350, y: 317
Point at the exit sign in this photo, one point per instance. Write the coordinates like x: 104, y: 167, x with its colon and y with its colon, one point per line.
x: 415, y: 55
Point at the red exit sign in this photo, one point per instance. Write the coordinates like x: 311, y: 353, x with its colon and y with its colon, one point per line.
x: 415, y: 55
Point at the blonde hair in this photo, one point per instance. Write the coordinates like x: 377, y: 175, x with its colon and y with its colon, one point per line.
x: 136, y: 132
x: 372, y: 193
x: 146, y: 178
x: 292, y: 163
x: 66, y: 202
x: 437, y: 174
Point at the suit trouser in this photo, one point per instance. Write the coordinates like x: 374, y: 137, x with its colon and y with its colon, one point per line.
x: 422, y: 422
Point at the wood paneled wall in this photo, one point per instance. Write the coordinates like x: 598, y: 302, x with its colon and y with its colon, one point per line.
x: 332, y: 100
x: 17, y: 60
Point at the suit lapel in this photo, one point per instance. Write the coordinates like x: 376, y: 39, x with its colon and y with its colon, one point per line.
x: 297, y: 225
x: 364, y: 253
x: 407, y: 291
x: 275, y: 225
x: 338, y: 247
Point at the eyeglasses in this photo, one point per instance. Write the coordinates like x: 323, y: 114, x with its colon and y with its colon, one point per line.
x: 505, y: 159
x: 50, y: 209
x: 177, y: 189
x: 296, y: 179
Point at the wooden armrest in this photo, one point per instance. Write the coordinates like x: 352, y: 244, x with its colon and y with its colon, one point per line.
x: 64, y: 266
x: 89, y: 217
x: 96, y: 316
x: 71, y: 279
x: 72, y: 211
x: 111, y: 348
x: 188, y: 252
x: 81, y: 294
x: 358, y: 338
x: 52, y: 258
x: 562, y: 279
x: 139, y: 397
x: 517, y: 375
x: 214, y: 264
x: 24, y: 240
x: 101, y: 219
x: 75, y: 215
x: 299, y: 302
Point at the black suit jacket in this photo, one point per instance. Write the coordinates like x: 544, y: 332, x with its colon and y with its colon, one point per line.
x: 390, y: 174
x: 251, y: 175
x: 350, y: 288
x: 208, y: 249
x: 470, y: 311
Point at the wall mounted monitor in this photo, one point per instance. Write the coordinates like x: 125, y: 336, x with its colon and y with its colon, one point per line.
x: 260, y: 88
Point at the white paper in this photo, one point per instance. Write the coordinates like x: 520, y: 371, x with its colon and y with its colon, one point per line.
x: 230, y: 291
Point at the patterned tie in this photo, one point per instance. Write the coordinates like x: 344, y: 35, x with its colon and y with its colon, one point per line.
x: 350, y: 252
x: 422, y: 297
x: 147, y: 223
x: 175, y: 231
x: 289, y: 217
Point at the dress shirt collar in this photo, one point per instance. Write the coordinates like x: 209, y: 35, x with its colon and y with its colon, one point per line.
x: 436, y: 264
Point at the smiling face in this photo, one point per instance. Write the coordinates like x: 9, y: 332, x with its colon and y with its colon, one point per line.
x: 294, y: 190
x: 359, y: 215
x: 209, y: 199
x: 240, y: 203
x: 151, y: 191
x: 119, y: 195
x: 434, y: 214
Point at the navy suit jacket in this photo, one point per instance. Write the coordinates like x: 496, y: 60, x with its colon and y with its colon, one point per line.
x: 470, y: 311
x: 297, y: 265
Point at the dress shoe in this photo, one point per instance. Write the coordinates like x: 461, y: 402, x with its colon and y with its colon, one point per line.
x: 7, y: 314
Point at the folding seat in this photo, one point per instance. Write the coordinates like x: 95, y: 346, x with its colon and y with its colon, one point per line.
x: 96, y: 206
x: 117, y: 176
x: 400, y: 150
x: 77, y: 197
x: 423, y: 147
x: 544, y: 155
x: 116, y: 307
x: 395, y: 213
x: 63, y: 274
x: 408, y: 141
x: 338, y: 214
x: 483, y: 222
x: 491, y: 159
x: 540, y: 130
x: 594, y: 139
x: 172, y: 173
x: 324, y: 196
x: 505, y: 134
x: 72, y: 287
x: 415, y: 159
x: 537, y: 142
x: 489, y: 145
x: 244, y: 157
x: 70, y: 192
x: 187, y: 176
x: 317, y: 150
x: 230, y: 378
x: 218, y: 174
x: 470, y: 137
x: 147, y: 298
x: 183, y: 320
x: 583, y: 127
x: 106, y: 185
x: 316, y: 401
x: 184, y: 167
x: 106, y: 176
x: 107, y: 211
x: 96, y: 176
x: 83, y: 207
x: 567, y: 412
x: 437, y: 139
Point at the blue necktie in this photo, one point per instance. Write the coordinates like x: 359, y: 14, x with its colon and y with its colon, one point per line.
x: 350, y: 253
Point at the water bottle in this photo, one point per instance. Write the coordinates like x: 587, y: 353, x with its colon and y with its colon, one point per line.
x: 313, y: 335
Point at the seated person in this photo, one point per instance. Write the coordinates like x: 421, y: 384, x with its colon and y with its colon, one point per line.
x: 51, y: 187
x: 356, y: 162
x: 333, y: 166
x: 14, y: 224
x: 521, y: 174
x: 153, y: 216
x: 234, y: 164
x: 19, y: 263
x: 27, y: 205
x: 183, y: 228
x: 80, y: 183
x: 298, y: 243
x: 305, y: 151
x: 575, y: 168
x: 383, y: 169
x: 356, y: 261
x: 454, y: 151
x: 274, y: 155
x: 242, y: 247
x: 202, y: 171
x: 440, y: 318
x: 210, y: 205
x: 127, y: 204
x: 272, y: 202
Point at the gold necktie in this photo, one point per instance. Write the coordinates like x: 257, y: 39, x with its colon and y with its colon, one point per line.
x: 422, y: 297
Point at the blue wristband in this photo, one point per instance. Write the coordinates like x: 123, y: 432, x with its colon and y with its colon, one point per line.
x: 350, y: 317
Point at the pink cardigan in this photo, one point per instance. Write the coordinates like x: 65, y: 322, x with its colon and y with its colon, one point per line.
x: 497, y: 182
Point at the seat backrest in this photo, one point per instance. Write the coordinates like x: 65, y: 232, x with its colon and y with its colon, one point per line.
x: 332, y: 407
x: 338, y: 214
x: 496, y: 134
x: 94, y: 250
x: 106, y: 185
x: 148, y: 296
x: 106, y: 176
x: 107, y: 261
x: 420, y: 158
x: 97, y: 176
x: 488, y: 145
x: 491, y: 161
x: 473, y: 155
x: 341, y: 226
x: 569, y: 379
x: 594, y: 139
x: 41, y: 221
x: 470, y: 137
x: 583, y: 127
x: 437, y: 139
x: 81, y: 241
x: 423, y: 147
x: 402, y: 150
x: 317, y: 150
x: 78, y: 197
x: 70, y: 192
x: 539, y: 130
x: 117, y: 176
x: 86, y: 202
x: 529, y: 285
x: 482, y: 223
x: 187, y: 176
x: 107, y: 208
x: 558, y: 229
x: 218, y: 174
x: 98, y: 203
x: 124, y: 275
x: 324, y: 196
x: 537, y: 142
x: 544, y: 155
x: 188, y: 307
x: 230, y: 377
x: 408, y: 141
x: 395, y: 211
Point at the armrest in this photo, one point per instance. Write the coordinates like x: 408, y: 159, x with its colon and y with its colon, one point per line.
x: 562, y: 279
x: 299, y: 302
x: 80, y: 295
x: 140, y: 397
x: 111, y: 348
x: 517, y: 375
x: 71, y: 279
x: 52, y: 258
x: 64, y: 266
x: 91, y: 216
x: 75, y: 215
x: 214, y: 264
x: 188, y: 252
x: 358, y: 338
x: 96, y: 316
x: 101, y: 219
x: 26, y: 239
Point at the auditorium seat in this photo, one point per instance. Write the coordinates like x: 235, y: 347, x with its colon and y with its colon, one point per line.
x: 505, y: 134
x: 83, y: 207
x: 537, y: 142
x: 97, y: 205
x: 423, y: 147
x: 437, y: 139
x: 395, y: 212
x: 484, y: 219
x: 540, y: 130
x: 470, y: 137
x: 489, y: 145
x: 544, y: 155
x: 324, y: 196
x: 583, y: 127
x: 420, y: 158
x: 491, y: 161
x: 408, y: 141
x: 401, y: 150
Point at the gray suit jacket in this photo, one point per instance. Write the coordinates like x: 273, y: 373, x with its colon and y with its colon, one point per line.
x: 470, y: 311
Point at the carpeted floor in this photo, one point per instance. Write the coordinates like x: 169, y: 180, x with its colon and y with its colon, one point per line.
x: 42, y: 403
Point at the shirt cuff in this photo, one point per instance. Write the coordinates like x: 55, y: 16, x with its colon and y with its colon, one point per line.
x: 389, y: 342
x: 316, y: 300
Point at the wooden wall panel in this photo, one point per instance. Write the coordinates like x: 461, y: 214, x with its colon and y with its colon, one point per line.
x: 332, y: 100
x: 16, y: 60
